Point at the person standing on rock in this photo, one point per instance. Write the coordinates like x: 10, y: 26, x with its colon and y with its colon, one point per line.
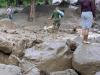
x: 87, y: 17
x: 10, y: 12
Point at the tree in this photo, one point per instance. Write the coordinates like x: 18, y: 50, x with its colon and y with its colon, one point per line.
x: 19, y: 2
x: 32, y: 10
x: 46, y: 2
x: 10, y: 2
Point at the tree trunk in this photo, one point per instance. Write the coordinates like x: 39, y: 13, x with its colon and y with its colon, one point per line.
x: 32, y: 10
x: 46, y: 2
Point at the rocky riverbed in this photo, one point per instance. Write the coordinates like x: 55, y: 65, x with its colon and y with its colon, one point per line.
x: 27, y: 49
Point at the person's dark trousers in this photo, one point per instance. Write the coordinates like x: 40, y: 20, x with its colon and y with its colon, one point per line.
x: 57, y: 24
x: 10, y: 17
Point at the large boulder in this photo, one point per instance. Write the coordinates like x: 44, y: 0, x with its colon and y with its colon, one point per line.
x: 9, y: 70
x: 5, y: 47
x: 97, y: 73
x: 65, y: 72
x: 94, y: 37
x: 52, y: 55
x: 86, y: 58
x: 13, y: 43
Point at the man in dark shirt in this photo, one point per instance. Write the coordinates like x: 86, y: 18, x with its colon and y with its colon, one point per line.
x: 88, y: 5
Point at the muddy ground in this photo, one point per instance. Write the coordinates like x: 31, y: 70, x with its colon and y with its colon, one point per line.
x: 69, y: 21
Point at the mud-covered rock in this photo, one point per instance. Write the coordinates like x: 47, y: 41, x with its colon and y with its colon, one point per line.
x: 9, y: 70
x: 86, y: 58
x: 52, y: 55
x: 5, y: 47
x: 14, y: 44
x: 97, y: 73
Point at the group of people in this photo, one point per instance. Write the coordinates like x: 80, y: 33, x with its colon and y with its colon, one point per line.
x: 87, y: 17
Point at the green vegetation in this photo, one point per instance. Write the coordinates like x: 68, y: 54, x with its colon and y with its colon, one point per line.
x: 3, y: 3
x: 42, y: 1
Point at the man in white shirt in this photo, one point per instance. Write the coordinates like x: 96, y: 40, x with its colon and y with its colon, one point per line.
x: 10, y: 12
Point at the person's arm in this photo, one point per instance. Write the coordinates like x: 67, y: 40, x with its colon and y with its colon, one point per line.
x: 7, y: 10
x: 93, y: 6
